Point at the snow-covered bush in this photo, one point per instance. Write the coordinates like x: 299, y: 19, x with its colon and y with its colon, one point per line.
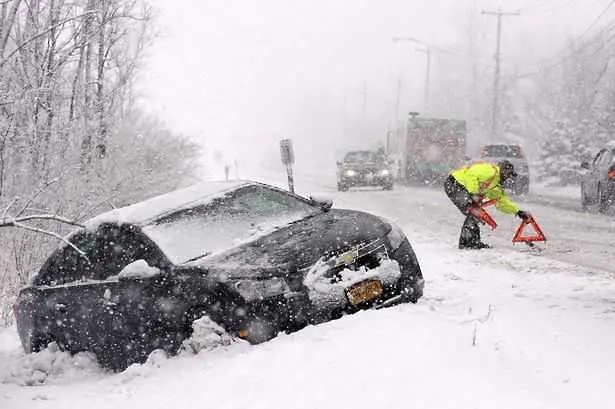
x: 561, y: 155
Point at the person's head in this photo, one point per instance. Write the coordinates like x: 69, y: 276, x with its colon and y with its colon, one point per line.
x: 507, y: 170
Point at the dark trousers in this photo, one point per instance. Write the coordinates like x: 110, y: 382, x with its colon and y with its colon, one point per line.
x: 459, y: 195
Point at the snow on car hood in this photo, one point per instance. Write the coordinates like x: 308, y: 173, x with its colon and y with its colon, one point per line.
x: 297, y: 246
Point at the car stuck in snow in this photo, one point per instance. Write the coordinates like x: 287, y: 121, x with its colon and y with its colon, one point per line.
x: 255, y: 259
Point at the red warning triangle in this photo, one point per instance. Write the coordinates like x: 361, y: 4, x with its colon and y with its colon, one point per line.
x: 484, y: 216
x: 522, y: 237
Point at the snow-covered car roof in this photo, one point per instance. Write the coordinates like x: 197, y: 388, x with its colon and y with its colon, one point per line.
x: 142, y: 212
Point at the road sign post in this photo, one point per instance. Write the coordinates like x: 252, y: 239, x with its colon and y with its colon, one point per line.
x: 288, y: 159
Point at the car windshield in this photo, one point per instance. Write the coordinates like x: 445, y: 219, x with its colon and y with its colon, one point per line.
x: 363, y: 157
x: 238, y: 217
x: 502, y: 151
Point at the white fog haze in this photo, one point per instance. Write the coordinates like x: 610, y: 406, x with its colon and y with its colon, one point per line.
x: 238, y: 76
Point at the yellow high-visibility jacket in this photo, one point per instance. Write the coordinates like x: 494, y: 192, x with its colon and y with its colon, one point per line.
x: 483, y: 179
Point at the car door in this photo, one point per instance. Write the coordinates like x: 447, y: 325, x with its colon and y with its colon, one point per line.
x: 90, y: 305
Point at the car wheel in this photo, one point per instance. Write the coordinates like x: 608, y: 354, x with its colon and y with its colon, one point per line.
x: 388, y: 186
x: 342, y: 187
x: 258, y: 330
x: 584, y: 201
x: 520, y: 187
x: 40, y: 342
x: 604, y: 199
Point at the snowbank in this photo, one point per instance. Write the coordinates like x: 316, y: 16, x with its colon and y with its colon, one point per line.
x: 50, y: 366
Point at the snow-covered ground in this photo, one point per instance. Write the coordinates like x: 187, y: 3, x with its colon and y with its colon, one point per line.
x: 500, y: 328
x: 572, y: 192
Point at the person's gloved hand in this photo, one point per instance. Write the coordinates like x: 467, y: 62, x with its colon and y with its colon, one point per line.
x: 524, y: 215
x: 477, y: 200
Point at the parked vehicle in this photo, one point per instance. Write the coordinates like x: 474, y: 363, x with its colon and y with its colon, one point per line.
x: 255, y: 259
x: 434, y: 148
x: 497, y: 152
x: 598, y: 183
x: 364, y: 168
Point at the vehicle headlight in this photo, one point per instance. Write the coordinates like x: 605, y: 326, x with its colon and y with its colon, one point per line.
x: 385, y: 172
x: 396, y: 236
x: 257, y: 290
x: 350, y: 173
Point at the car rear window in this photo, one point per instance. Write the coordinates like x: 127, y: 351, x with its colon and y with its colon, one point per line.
x: 106, y: 252
x: 502, y: 151
x: 363, y: 156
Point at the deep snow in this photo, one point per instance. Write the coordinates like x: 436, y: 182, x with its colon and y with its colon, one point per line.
x: 500, y: 328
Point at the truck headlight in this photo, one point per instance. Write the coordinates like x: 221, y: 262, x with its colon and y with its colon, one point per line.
x: 257, y: 290
x: 350, y: 173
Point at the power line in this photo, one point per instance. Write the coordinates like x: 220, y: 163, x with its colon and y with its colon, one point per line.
x: 593, y: 24
x: 538, y: 7
x: 579, y: 49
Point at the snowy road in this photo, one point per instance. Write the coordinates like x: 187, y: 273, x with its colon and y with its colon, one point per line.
x: 587, y: 240
x: 499, y: 328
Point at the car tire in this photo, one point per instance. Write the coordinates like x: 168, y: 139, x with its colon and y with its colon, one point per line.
x: 259, y: 330
x: 584, y: 201
x: 521, y: 187
x: 604, y: 199
x: 342, y: 188
x: 388, y: 187
x: 40, y: 342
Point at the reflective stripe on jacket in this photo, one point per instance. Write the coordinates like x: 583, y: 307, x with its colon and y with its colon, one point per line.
x: 483, y: 179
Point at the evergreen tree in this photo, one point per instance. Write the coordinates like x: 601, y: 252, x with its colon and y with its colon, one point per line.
x: 562, y: 153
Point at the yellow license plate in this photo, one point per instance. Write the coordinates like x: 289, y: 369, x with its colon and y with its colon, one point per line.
x: 365, y: 291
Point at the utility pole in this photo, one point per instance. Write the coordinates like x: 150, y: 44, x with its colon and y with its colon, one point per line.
x: 495, y: 119
x: 364, y: 94
x: 344, y: 109
x: 427, y: 51
x: 364, y: 110
x: 397, y: 100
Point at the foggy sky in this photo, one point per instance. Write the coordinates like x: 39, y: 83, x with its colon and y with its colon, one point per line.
x: 238, y: 75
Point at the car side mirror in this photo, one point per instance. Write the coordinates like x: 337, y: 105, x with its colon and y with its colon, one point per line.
x: 585, y: 165
x: 339, y: 164
x: 324, y: 203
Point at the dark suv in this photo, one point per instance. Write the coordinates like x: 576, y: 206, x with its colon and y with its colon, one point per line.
x: 364, y: 168
x: 598, y: 183
x: 513, y: 153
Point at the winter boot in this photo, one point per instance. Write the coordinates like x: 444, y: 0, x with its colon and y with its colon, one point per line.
x: 470, y: 234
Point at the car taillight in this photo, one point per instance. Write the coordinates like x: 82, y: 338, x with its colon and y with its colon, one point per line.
x: 611, y: 173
